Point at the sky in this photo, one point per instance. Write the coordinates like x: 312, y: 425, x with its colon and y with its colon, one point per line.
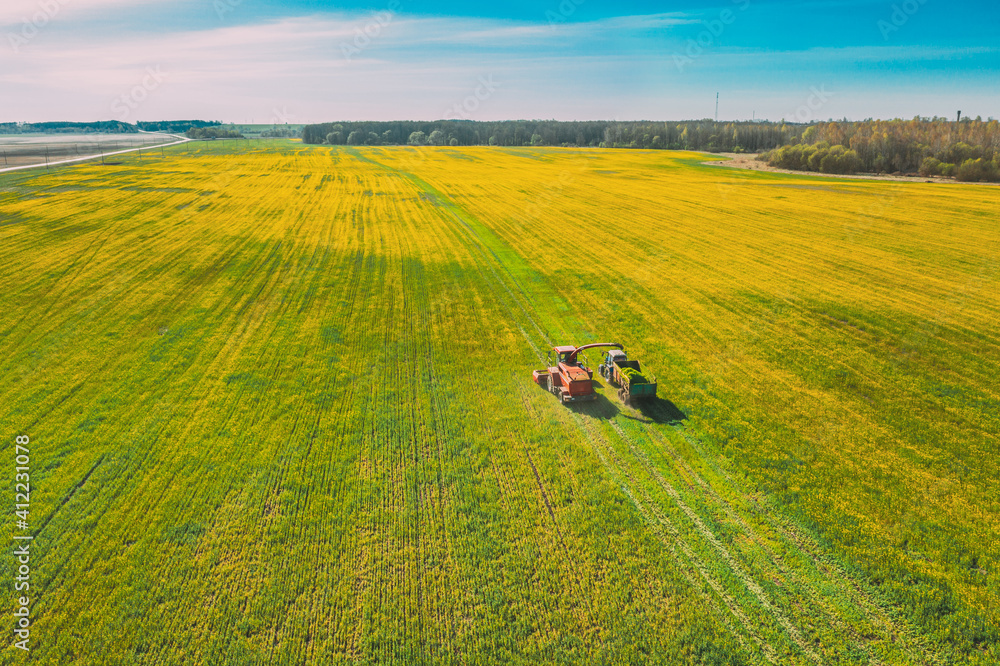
x: 306, y: 61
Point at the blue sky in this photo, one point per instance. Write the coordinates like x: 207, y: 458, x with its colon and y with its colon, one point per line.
x: 311, y: 61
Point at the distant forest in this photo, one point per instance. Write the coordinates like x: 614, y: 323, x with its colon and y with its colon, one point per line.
x: 687, y: 135
x: 215, y: 132
x: 104, y: 127
x: 176, y: 125
x: 968, y: 150
x: 964, y: 149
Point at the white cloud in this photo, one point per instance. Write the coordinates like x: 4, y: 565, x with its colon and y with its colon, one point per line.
x: 500, y: 33
x: 409, y: 67
x: 15, y: 12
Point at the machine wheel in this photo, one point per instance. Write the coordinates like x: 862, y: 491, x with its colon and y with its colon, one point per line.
x: 622, y: 396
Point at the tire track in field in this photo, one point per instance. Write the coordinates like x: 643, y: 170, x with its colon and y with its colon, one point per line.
x: 440, y: 417
x: 458, y: 278
x: 723, y: 552
x: 125, y: 255
x: 832, y: 575
x: 464, y: 228
x: 507, y: 482
x: 800, y: 583
x: 658, y: 522
x: 335, y: 604
x: 783, y: 620
x: 211, y: 363
x: 811, y: 593
x: 226, y: 352
x: 140, y: 463
x: 730, y: 602
x: 443, y: 202
x: 874, y: 610
x: 90, y: 252
x: 648, y: 510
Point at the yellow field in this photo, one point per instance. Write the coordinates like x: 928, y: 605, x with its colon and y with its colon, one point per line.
x: 281, y: 411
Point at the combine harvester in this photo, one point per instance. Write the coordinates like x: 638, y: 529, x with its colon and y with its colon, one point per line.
x: 571, y: 381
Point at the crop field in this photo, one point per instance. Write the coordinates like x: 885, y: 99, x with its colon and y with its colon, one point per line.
x: 280, y: 407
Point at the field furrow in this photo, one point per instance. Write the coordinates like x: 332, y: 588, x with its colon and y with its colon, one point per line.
x: 281, y: 410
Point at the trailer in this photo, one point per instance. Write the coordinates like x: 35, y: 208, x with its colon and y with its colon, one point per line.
x: 619, y: 371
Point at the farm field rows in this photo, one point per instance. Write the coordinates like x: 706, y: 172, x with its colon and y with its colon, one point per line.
x: 281, y: 409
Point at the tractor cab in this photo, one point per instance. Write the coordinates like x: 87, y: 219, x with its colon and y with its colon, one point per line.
x: 615, y: 356
x: 565, y: 355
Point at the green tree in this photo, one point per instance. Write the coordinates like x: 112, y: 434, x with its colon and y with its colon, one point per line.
x: 930, y: 167
x: 417, y: 138
x: 978, y: 170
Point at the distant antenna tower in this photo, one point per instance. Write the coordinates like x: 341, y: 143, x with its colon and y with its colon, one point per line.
x: 959, y: 116
x: 716, y: 107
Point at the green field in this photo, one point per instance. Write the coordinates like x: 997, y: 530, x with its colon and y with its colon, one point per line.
x: 280, y: 411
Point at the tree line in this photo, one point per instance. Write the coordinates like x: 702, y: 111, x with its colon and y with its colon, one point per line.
x: 175, y: 125
x: 214, y: 132
x: 967, y: 150
x: 104, y: 127
x: 60, y: 127
x: 685, y: 135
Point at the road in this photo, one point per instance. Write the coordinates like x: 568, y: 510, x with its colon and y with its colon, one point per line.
x: 180, y: 140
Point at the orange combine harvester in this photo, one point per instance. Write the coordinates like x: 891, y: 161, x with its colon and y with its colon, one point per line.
x: 568, y: 379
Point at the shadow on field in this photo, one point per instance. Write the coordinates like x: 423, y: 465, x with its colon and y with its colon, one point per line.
x: 602, y: 408
x: 660, y: 411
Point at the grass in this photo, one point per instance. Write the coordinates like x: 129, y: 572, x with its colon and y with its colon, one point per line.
x: 281, y: 410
